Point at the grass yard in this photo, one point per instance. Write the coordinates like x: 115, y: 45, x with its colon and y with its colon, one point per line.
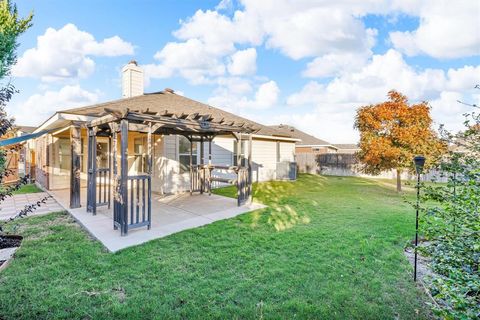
x: 28, y: 188
x: 326, y: 248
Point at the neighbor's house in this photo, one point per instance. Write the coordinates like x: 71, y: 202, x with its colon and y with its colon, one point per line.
x: 16, y: 153
x: 307, y: 143
x: 347, y: 148
x: 273, y: 151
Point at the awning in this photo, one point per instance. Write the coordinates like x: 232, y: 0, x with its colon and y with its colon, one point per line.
x: 25, y: 137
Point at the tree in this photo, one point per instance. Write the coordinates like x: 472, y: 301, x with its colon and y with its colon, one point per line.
x: 11, y: 27
x: 393, y: 132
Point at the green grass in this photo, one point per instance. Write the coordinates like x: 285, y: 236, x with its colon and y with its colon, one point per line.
x: 28, y: 188
x: 326, y: 248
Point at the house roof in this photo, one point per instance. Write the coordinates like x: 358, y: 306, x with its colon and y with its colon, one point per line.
x: 169, y: 102
x: 25, y: 129
x: 305, y: 137
x: 346, y: 146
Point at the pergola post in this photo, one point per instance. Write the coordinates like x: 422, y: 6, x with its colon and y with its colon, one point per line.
x: 202, y: 161
x: 92, y: 170
x: 75, y: 169
x: 150, y: 171
x: 124, y: 176
x: 191, y: 165
x: 250, y: 168
x: 114, y: 129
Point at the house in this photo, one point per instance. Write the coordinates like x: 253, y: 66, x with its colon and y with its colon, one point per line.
x: 307, y: 143
x: 347, y: 148
x: 15, y: 154
x: 125, y: 150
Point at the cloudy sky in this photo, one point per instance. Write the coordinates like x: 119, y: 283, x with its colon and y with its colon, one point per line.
x: 308, y: 63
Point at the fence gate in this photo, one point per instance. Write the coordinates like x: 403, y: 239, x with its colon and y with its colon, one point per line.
x: 99, y: 178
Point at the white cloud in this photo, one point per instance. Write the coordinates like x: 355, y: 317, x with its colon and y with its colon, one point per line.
x: 243, y: 62
x: 67, y: 53
x: 233, y: 95
x: 39, y: 107
x: 446, y: 30
x: 333, y: 104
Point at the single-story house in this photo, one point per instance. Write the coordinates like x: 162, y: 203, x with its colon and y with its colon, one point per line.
x: 347, y: 148
x: 307, y: 143
x: 163, y: 139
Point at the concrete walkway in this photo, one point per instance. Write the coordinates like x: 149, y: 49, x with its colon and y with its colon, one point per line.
x: 170, y: 214
x: 14, y: 204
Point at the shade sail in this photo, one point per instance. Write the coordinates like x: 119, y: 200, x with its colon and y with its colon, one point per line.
x: 25, y: 137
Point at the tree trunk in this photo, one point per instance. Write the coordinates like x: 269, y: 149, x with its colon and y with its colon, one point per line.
x: 399, y: 180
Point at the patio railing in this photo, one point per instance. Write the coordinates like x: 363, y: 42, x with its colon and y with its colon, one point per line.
x: 133, y: 208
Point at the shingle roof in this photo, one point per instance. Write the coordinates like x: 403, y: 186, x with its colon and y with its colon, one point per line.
x: 305, y: 137
x: 26, y: 129
x: 167, y: 101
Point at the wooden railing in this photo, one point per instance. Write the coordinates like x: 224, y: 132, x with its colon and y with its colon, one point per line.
x: 202, y: 177
x: 135, y: 209
x: 103, y: 187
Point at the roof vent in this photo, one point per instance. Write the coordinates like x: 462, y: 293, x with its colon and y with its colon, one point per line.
x: 169, y: 90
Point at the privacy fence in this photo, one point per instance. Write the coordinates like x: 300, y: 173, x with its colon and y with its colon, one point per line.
x: 344, y: 164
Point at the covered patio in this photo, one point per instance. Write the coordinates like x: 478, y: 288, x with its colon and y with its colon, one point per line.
x: 170, y: 214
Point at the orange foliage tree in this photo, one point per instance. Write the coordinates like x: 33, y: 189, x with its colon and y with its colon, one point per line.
x: 393, y: 132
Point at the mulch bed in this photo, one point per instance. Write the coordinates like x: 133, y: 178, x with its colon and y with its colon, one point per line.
x: 10, y: 241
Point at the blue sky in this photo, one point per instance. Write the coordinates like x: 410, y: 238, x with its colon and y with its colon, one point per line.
x: 305, y: 63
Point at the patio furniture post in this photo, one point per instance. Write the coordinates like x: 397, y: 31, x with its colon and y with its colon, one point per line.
x: 250, y: 191
x: 150, y: 170
x: 92, y: 170
x: 124, y: 176
x: 76, y: 150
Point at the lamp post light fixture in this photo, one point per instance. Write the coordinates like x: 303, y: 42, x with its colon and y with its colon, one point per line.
x: 419, y: 162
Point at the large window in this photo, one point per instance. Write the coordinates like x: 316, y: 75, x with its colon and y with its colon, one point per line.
x: 242, y: 153
x: 184, y: 154
x: 64, y: 154
x: 140, y: 152
x: 102, y: 154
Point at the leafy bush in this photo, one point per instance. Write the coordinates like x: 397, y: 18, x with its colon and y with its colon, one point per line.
x: 452, y: 227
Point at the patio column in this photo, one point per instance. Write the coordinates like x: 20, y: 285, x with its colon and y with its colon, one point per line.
x: 75, y: 169
x: 202, y: 169
x: 191, y: 165
x: 250, y: 168
x: 124, y: 176
x: 116, y: 219
x: 150, y: 171
x: 92, y: 170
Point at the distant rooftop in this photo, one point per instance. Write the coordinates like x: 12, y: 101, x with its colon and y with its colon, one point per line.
x: 346, y: 146
x: 306, y: 138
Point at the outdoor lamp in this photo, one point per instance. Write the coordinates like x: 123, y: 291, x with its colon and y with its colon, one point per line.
x: 419, y: 162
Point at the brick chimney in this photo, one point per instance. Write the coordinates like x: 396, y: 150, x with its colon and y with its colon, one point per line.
x: 132, y: 80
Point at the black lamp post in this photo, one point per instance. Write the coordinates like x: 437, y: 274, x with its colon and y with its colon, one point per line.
x: 419, y: 163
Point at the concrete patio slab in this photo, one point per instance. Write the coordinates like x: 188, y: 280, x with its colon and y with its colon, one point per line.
x: 170, y: 214
x: 14, y: 204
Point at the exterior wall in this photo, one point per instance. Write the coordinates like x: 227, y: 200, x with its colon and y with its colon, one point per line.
x: 166, y: 176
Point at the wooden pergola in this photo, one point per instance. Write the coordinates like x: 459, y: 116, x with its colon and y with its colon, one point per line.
x: 132, y: 193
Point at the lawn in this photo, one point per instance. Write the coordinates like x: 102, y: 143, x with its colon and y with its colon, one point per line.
x: 326, y: 248
x: 28, y: 188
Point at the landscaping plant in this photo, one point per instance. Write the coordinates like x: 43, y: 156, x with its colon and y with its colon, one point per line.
x: 452, y: 227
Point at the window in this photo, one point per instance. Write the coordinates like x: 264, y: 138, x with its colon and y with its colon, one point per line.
x: 242, y: 153
x: 64, y: 154
x: 140, y: 154
x: 184, y: 154
x: 102, y: 154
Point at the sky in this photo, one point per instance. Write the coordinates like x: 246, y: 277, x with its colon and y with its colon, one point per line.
x: 306, y: 63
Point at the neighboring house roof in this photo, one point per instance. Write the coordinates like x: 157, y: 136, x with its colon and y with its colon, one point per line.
x: 168, y: 102
x: 306, y: 139
x: 25, y: 129
x: 346, y: 146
